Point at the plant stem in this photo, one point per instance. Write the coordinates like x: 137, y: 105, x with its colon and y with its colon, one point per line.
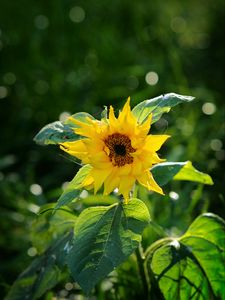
x: 140, y: 261
x: 156, y: 245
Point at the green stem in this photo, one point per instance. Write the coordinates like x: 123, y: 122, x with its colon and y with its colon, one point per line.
x: 156, y: 245
x: 140, y: 261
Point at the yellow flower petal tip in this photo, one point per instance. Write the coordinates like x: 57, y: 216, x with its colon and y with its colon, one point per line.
x: 128, y: 101
x: 126, y: 200
x: 120, y: 151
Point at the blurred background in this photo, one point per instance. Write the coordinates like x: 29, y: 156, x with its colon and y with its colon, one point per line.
x: 61, y: 57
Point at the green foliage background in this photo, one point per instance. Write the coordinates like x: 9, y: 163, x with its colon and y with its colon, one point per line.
x: 50, y: 63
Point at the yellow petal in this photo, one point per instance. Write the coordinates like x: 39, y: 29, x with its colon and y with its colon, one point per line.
x: 77, y: 149
x: 149, y: 158
x: 126, y: 184
x: 112, y: 119
x: 99, y: 177
x: 90, y: 129
x: 145, y: 127
x: 124, y: 170
x: 100, y: 160
x: 156, y: 159
x: 147, y: 180
x: 111, y: 183
x: 127, y: 120
x: 137, y: 167
x: 154, y: 142
x: 88, y: 181
x: 76, y: 146
x: 126, y: 109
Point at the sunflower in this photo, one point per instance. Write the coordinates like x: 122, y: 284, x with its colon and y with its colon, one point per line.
x: 119, y: 150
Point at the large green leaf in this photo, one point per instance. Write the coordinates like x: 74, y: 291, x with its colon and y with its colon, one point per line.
x: 192, y: 266
x: 178, y: 273
x: 188, y: 172
x: 159, y: 105
x: 49, y: 227
x: 72, y: 190
x: 104, y: 238
x: 59, y: 132
x: 206, y: 239
x: 55, y: 133
x: 167, y: 171
x: 43, y: 273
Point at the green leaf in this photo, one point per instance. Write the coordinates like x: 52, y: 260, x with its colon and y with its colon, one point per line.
x: 81, y: 117
x: 167, y: 171
x: 55, y: 133
x: 191, y: 267
x: 188, y: 172
x: 104, y: 238
x: 178, y: 274
x: 157, y: 106
x: 43, y: 274
x: 60, y: 132
x: 104, y: 114
x: 49, y: 227
x: 72, y: 190
x: 206, y: 239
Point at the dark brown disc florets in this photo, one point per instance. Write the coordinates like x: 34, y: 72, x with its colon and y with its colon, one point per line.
x: 119, y: 146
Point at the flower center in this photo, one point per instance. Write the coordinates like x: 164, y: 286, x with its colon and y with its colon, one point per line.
x: 119, y: 146
x: 120, y: 150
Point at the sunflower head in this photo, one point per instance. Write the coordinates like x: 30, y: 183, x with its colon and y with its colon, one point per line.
x: 119, y: 150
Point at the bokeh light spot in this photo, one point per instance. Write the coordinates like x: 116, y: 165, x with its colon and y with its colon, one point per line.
x: 41, y: 22
x: 9, y: 78
x: 178, y: 24
x: 63, y: 116
x: 32, y: 251
x: 3, y: 92
x: 151, y: 78
x: 209, y: 108
x: 62, y: 294
x: 64, y: 185
x: 69, y: 286
x: 83, y: 194
x: 18, y: 217
x: 33, y: 208
x: 174, y: 196
x: 216, y: 145
x: 77, y: 14
x: 36, y: 189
